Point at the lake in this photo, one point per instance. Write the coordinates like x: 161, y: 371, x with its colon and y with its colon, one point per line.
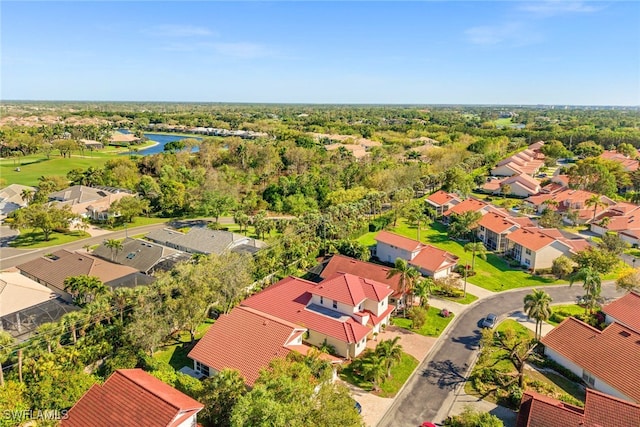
x: 161, y: 139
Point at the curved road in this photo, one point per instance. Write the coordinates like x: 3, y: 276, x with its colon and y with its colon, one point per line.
x: 429, y: 393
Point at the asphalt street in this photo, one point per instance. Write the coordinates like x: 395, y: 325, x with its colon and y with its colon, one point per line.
x: 429, y: 393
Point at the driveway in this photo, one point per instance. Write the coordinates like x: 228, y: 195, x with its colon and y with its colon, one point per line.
x: 429, y: 393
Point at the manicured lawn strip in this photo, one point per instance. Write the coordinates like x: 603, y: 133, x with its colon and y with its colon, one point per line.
x: 565, y: 310
x: 176, y: 354
x: 390, y: 386
x: 433, y: 327
x: 464, y: 300
x: 493, y: 274
x: 35, y: 239
x: 634, y: 252
x: 137, y: 222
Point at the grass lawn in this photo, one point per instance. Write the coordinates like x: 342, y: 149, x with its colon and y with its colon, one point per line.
x: 504, y: 122
x: 35, y: 239
x: 138, y: 221
x: 635, y: 252
x: 564, y: 311
x: 390, y: 386
x: 176, y: 354
x: 494, y: 274
x: 433, y: 327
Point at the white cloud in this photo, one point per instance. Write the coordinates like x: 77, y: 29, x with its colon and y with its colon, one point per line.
x: 242, y: 50
x: 558, y: 7
x: 178, y: 31
x: 512, y: 34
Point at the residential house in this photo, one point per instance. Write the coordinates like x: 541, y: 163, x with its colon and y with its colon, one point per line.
x: 246, y: 340
x: 132, y: 397
x: 570, y: 201
x: 342, y: 264
x: 536, y: 248
x: 11, y: 199
x: 520, y: 185
x: 600, y: 410
x: 90, y: 202
x: 340, y: 311
x: 202, y: 240
x: 51, y: 271
x: 624, y: 311
x: 427, y: 259
x: 121, y: 138
x: 92, y: 144
x: 627, y: 163
x: 606, y: 360
x: 140, y: 254
x: 528, y: 161
x: 623, y: 219
x: 473, y: 205
x: 494, y: 227
x: 442, y: 201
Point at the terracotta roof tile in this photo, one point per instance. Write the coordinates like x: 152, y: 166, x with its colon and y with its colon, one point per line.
x: 497, y: 223
x: 352, y: 290
x: 626, y: 310
x: 587, y: 347
x: 441, y: 197
x: 398, y: 240
x: 245, y: 340
x: 467, y: 205
x: 343, y: 264
x: 433, y: 259
x: 131, y: 397
x: 530, y: 238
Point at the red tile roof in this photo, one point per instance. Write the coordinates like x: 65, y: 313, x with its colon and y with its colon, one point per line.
x: 625, y: 310
x: 496, y: 223
x: 441, y: 197
x: 245, y: 340
x: 530, y: 238
x: 628, y: 164
x: 352, y: 290
x: 132, y: 397
x: 398, y: 241
x: 343, y: 264
x: 288, y: 300
x: 588, y: 347
x: 433, y: 259
x: 600, y: 410
x: 467, y: 205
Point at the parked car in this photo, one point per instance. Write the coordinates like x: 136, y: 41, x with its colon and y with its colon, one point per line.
x: 490, y: 321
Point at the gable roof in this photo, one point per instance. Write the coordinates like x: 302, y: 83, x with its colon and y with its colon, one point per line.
x: 441, y: 198
x: 625, y: 310
x: 246, y: 340
x: 132, y: 397
x: 600, y: 410
x: 587, y: 347
x: 525, y: 180
x: 289, y: 299
x: 530, y: 238
x: 398, y: 241
x: 628, y: 164
x: 466, y: 205
x: 61, y: 264
x: 344, y: 264
x: 433, y: 259
x: 201, y: 240
x: 496, y: 223
x: 352, y: 290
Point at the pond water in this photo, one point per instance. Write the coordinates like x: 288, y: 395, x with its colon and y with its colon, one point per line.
x: 161, y: 139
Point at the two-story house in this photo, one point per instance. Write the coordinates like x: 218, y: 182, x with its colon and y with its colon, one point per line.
x: 493, y: 229
x: 132, y: 397
x: 442, y: 201
x: 536, y: 248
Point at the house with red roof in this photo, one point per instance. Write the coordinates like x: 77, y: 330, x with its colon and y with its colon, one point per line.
x: 442, y: 201
x: 606, y: 360
x: 569, y: 200
x: 625, y: 311
x: 536, y: 248
x: 429, y: 260
x: 494, y: 227
x: 623, y: 218
x: 600, y: 410
x: 520, y: 185
x: 246, y: 340
x: 528, y: 161
x: 467, y: 205
x: 627, y: 163
x: 342, y: 310
x: 132, y: 397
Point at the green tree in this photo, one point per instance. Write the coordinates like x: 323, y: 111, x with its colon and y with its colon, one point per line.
x: 562, y: 267
x: 422, y: 289
x: 415, y: 213
x: 462, y: 225
x: 473, y: 418
x: 6, y: 343
x: 476, y: 248
x: 115, y: 245
x: 44, y: 217
x: 600, y: 261
x: 612, y: 243
x: 629, y: 280
x: 596, y: 202
x: 84, y: 289
x: 592, y: 284
x: 374, y: 369
x: 536, y: 305
x: 390, y: 352
x: 216, y: 204
x: 408, y: 276
x: 129, y: 207
x: 220, y: 394
x: 550, y: 219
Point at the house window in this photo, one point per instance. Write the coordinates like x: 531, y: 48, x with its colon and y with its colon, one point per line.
x: 203, y: 369
x: 527, y: 261
x: 335, y: 304
x: 588, y: 378
x: 383, y: 302
x: 322, y: 300
x: 360, y: 307
x: 528, y: 251
x: 481, y: 228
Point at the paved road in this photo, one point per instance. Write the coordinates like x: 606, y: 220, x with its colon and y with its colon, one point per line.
x: 429, y: 393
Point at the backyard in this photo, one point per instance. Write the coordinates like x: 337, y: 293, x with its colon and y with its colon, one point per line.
x: 494, y: 274
x: 175, y: 354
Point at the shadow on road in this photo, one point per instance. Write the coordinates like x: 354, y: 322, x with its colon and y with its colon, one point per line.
x: 445, y: 374
x: 471, y: 342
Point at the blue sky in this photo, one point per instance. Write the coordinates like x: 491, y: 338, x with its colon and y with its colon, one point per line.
x: 501, y: 52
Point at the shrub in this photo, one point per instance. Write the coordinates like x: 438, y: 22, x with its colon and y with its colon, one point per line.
x: 418, y: 316
x: 515, y: 395
x: 445, y: 313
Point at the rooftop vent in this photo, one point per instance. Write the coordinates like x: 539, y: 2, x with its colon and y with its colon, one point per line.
x: 625, y: 334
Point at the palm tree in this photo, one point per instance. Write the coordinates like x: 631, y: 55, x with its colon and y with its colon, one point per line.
x: 408, y: 276
x: 374, y: 369
x: 115, y: 245
x: 462, y: 225
x: 596, y: 203
x: 6, y: 341
x: 50, y: 334
x: 422, y: 289
x: 476, y: 248
x: 537, y: 307
x: 390, y: 352
x: 592, y: 284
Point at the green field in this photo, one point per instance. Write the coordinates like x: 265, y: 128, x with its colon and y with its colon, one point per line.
x: 35, y: 239
x: 494, y: 274
x: 433, y: 327
x: 563, y: 311
x: 390, y: 386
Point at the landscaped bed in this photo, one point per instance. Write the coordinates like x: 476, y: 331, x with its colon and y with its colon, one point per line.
x: 390, y: 386
x: 433, y: 326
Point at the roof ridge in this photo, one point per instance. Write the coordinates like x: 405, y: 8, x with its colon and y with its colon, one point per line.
x: 120, y: 372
